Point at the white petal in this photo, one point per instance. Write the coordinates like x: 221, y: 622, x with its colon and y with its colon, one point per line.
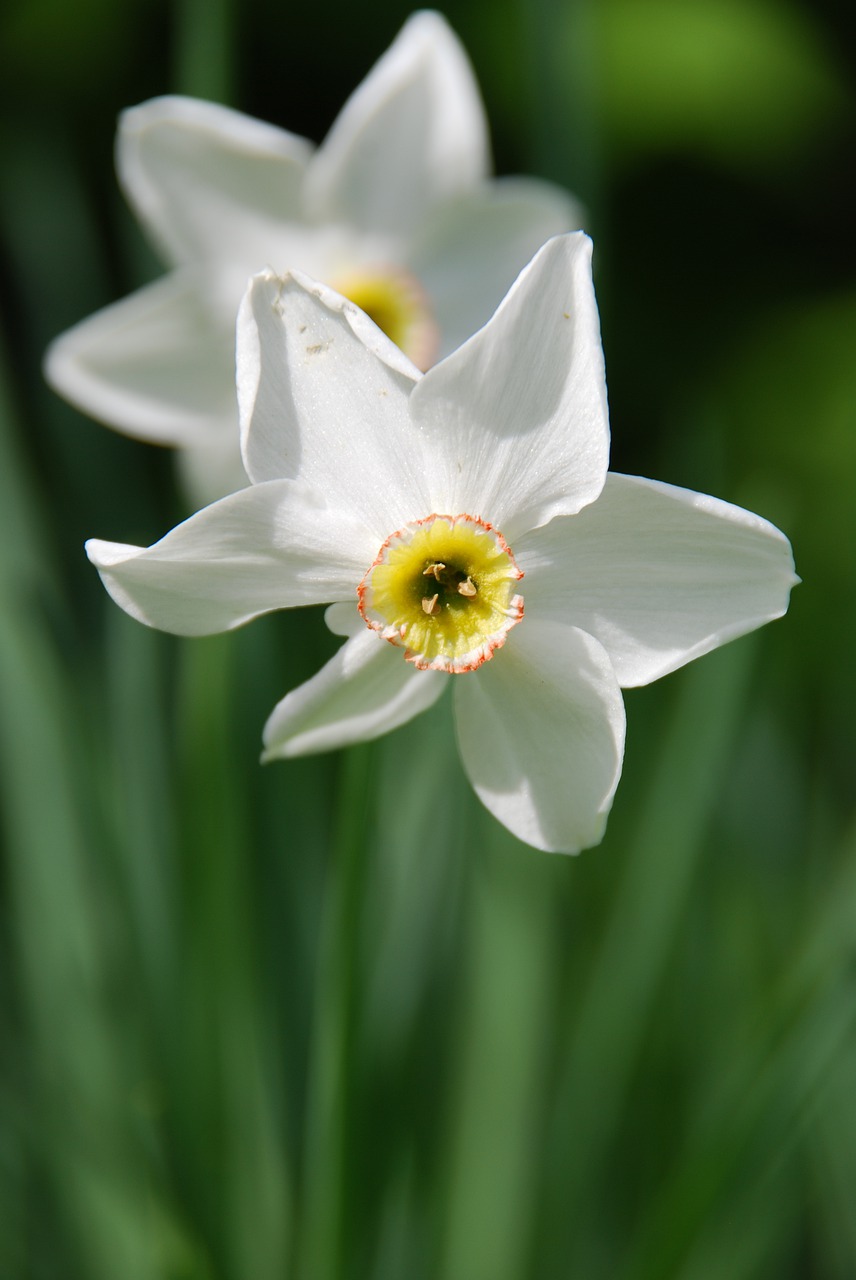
x: 158, y: 365
x: 344, y: 618
x: 541, y: 733
x: 659, y: 574
x: 469, y: 252
x: 321, y: 403
x: 412, y: 133
x: 208, y: 182
x: 365, y: 690
x: 516, y: 420
x: 268, y: 547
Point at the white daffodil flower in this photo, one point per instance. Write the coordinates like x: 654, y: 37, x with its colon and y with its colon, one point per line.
x: 395, y: 210
x: 465, y: 528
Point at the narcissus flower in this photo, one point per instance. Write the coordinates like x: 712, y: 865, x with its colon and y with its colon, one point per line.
x: 395, y: 210
x: 465, y: 529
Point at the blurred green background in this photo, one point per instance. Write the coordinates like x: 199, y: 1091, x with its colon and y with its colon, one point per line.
x: 326, y: 1019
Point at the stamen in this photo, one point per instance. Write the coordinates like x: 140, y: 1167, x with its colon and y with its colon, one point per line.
x: 435, y: 569
x: 468, y: 588
x: 430, y: 606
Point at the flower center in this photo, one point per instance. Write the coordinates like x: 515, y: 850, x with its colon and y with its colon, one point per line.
x: 398, y: 305
x: 443, y: 589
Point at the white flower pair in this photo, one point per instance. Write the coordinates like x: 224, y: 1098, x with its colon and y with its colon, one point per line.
x: 461, y: 523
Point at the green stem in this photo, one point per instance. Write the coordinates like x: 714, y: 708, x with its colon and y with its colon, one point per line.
x: 204, y: 65
x: 229, y: 1105
x: 331, y: 1051
x: 563, y: 94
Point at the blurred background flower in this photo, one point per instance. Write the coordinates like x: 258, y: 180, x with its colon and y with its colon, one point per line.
x: 327, y: 1018
x: 396, y: 209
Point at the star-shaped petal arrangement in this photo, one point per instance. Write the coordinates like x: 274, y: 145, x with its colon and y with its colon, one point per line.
x: 396, y: 210
x: 465, y: 530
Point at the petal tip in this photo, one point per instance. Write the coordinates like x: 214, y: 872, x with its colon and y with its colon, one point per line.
x: 106, y: 555
x: 58, y: 364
